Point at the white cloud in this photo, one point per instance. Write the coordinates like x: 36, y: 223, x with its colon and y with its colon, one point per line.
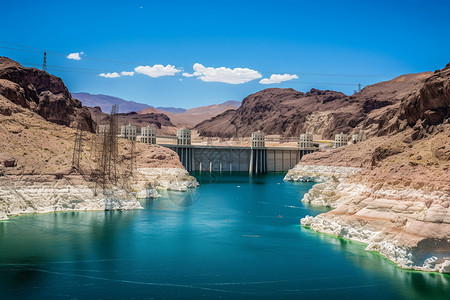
x: 125, y: 73
x: 157, y: 70
x: 75, y: 55
x: 110, y: 75
x: 227, y: 75
x: 277, y: 78
x: 188, y: 75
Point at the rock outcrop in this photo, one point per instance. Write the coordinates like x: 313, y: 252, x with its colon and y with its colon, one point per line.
x: 430, y: 104
x: 42, y: 93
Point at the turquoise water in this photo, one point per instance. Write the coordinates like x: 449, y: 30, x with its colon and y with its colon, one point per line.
x: 235, y: 237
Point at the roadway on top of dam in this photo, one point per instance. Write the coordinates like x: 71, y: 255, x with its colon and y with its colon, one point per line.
x: 235, y: 147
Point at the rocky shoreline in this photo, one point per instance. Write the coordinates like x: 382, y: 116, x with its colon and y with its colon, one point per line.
x: 20, y: 194
x: 409, y: 225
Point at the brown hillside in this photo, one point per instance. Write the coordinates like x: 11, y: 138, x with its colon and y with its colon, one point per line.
x: 40, y: 147
x: 289, y: 112
x: 42, y: 93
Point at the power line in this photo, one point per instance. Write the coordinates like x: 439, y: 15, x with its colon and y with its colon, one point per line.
x: 55, y: 53
x: 70, y: 68
x: 341, y: 75
x: 91, y: 71
x: 23, y: 46
x: 107, y: 60
x: 96, y: 71
x: 24, y: 50
x: 320, y: 83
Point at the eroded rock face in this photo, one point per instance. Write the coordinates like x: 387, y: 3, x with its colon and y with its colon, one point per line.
x: 432, y: 102
x: 429, y: 105
x: 42, y: 93
x: 43, y: 194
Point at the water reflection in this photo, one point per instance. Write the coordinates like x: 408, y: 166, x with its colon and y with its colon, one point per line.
x: 409, y: 284
x: 40, y: 238
x: 182, y: 199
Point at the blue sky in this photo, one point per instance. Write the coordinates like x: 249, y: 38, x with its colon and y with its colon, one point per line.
x: 326, y: 44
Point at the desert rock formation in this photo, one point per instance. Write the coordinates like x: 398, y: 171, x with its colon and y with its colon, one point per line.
x: 42, y: 93
x: 399, y: 200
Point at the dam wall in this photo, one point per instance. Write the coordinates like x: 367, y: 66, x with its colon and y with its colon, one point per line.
x: 238, y: 159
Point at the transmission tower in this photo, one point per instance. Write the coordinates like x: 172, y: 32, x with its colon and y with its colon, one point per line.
x: 133, y: 156
x: 44, y: 64
x: 114, y: 129
x: 77, y: 148
x: 110, y: 150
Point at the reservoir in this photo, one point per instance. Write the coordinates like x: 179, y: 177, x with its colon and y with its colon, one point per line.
x: 234, y: 237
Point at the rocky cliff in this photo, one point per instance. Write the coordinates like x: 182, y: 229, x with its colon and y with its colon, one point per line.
x: 423, y: 107
x: 391, y: 191
x: 42, y: 93
x: 289, y: 112
x: 36, y: 172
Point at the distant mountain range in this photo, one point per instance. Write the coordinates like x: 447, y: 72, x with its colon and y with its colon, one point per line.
x: 193, y: 116
x: 105, y: 102
x: 232, y: 103
x: 175, y: 110
x: 179, y: 117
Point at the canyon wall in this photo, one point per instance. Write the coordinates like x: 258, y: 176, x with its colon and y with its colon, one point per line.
x: 396, y: 200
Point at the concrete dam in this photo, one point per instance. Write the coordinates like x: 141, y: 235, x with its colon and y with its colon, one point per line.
x: 238, y: 159
x: 254, y: 159
x: 206, y: 158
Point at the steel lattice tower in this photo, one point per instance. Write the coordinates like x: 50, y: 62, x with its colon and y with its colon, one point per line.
x: 44, y: 64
